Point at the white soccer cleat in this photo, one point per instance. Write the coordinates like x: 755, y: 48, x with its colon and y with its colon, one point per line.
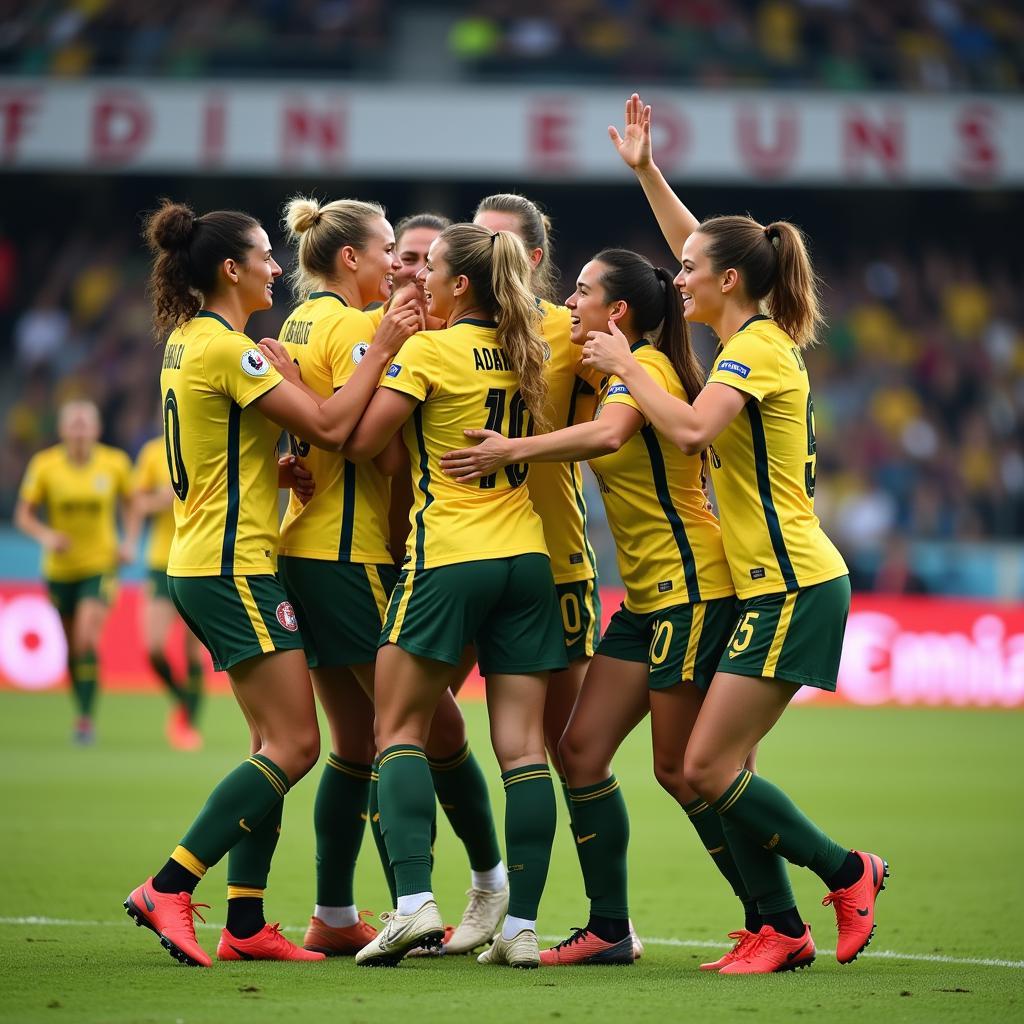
x: 400, y: 933
x: 480, y: 922
x: 521, y: 951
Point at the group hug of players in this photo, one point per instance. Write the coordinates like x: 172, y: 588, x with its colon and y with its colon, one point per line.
x: 468, y: 397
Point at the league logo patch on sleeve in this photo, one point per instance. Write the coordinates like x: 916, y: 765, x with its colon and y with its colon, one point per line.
x: 393, y: 370
x: 286, y: 616
x: 359, y: 351
x: 731, y: 366
x: 254, y: 362
x: 618, y: 389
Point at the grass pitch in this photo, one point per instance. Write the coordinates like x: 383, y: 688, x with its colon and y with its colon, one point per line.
x: 938, y: 793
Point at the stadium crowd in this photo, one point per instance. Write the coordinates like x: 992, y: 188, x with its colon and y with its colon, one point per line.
x: 923, y: 45
x: 918, y: 388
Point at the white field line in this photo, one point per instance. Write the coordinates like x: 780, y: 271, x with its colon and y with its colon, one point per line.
x: 878, y: 954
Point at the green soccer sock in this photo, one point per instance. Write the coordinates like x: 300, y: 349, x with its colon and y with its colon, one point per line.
x: 601, y: 826
x: 462, y: 793
x: 406, y: 798
x: 373, y: 812
x: 529, y: 832
x: 710, y: 827
x: 193, y: 691
x: 339, y: 816
x: 240, y: 801
x: 774, y: 822
x: 765, y: 873
x: 84, y: 682
x: 159, y: 664
x: 568, y: 802
x: 249, y: 859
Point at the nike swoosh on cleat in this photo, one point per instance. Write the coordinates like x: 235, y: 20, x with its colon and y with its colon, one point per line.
x: 241, y: 821
x: 864, y: 912
x: 580, y: 840
x: 150, y: 905
x: 242, y: 953
x: 792, y: 956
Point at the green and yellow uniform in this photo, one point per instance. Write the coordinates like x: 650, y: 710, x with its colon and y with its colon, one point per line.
x: 335, y: 564
x: 792, y: 582
x: 222, y: 460
x: 461, y: 378
x: 151, y: 475
x: 679, y: 608
x: 556, y: 489
x: 79, y: 500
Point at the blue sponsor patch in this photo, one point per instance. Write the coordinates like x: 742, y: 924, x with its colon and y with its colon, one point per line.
x: 394, y: 370
x: 731, y: 366
x: 618, y: 389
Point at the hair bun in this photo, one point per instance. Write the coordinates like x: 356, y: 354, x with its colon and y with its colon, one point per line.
x: 172, y: 226
x: 301, y: 214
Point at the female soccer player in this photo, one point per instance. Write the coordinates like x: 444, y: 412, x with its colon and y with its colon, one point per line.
x: 153, y: 499
x: 413, y: 237
x: 79, y: 485
x: 477, y: 571
x: 337, y: 568
x: 757, y: 416
x: 224, y: 407
x: 662, y: 646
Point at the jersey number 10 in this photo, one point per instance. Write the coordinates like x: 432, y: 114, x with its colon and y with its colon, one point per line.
x: 518, y: 420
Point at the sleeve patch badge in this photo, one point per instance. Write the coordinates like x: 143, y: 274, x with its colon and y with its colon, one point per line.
x: 731, y: 366
x: 255, y: 363
x: 394, y: 370
x: 618, y: 389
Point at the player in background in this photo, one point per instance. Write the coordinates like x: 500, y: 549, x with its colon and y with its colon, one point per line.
x: 662, y: 646
x: 224, y: 408
x: 153, y: 500
x: 754, y: 285
x: 476, y: 571
x: 79, y: 485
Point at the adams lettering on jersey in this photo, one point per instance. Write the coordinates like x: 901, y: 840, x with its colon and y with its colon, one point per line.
x: 296, y: 332
x: 491, y: 359
x: 732, y: 366
x: 172, y: 356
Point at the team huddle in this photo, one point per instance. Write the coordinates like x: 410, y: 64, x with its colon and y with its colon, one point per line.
x: 438, y: 401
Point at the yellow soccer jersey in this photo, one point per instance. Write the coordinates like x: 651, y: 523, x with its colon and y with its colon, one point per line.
x: 223, y: 453
x: 763, y: 467
x: 80, y: 500
x: 557, y: 487
x: 461, y: 379
x: 347, y: 518
x: 151, y: 474
x: 667, y: 541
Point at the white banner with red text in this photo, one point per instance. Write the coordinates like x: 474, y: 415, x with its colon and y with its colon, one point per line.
x: 509, y: 134
x: 927, y: 651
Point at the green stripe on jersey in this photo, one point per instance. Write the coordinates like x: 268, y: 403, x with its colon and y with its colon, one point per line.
x: 348, y: 511
x: 764, y: 487
x: 423, y: 484
x: 227, y: 552
x: 577, y: 477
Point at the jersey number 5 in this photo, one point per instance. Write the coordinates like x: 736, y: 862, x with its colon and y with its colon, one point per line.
x: 172, y: 446
x: 518, y: 420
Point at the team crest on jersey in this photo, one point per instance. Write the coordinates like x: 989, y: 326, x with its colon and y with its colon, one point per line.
x: 254, y: 362
x: 359, y: 351
x: 286, y: 616
x: 101, y: 484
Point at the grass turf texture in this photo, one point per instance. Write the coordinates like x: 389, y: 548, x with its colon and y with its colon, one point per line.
x: 935, y: 792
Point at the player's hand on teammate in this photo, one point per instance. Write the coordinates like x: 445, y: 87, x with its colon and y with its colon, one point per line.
x: 634, y: 145
x: 400, y: 322
x: 493, y: 452
x: 607, y: 351
x: 277, y: 356
x: 294, y: 475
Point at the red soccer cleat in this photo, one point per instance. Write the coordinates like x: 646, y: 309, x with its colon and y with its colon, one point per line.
x: 855, y: 907
x: 322, y: 938
x: 583, y: 947
x: 181, y: 733
x: 770, y: 952
x: 267, y: 944
x: 170, y: 916
x: 743, y: 940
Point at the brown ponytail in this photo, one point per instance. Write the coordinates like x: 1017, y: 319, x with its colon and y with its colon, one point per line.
x: 498, y: 270
x: 188, y: 252
x: 775, y: 268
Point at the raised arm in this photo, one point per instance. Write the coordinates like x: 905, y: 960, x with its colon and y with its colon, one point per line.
x: 634, y: 146
x: 608, y: 433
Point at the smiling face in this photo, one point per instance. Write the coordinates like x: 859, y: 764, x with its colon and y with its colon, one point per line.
x: 699, y: 285
x: 257, y: 274
x: 377, y: 264
x: 440, y: 286
x: 412, y: 249
x: 588, y: 305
